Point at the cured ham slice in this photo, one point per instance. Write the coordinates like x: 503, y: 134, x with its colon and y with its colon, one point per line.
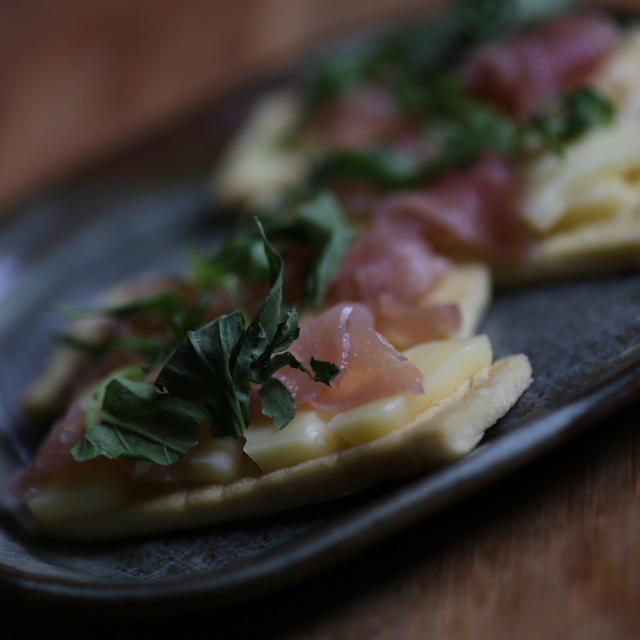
x: 356, y: 120
x: 371, y: 367
x: 521, y: 72
x: 55, y: 461
x: 380, y: 262
x: 469, y: 212
x: 408, y: 324
x: 390, y: 273
x: 54, y: 458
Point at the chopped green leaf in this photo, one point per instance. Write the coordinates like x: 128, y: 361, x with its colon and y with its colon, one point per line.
x: 324, y: 371
x: 462, y: 134
x: 138, y: 423
x: 207, y: 378
x: 412, y: 56
x: 322, y: 225
x: 277, y: 403
x: 381, y: 165
x: 462, y: 129
x: 241, y: 256
x: 317, y: 224
x: 571, y: 114
x: 92, y: 414
x: 167, y: 306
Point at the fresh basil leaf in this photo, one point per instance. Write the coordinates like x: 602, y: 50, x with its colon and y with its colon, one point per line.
x: 316, y: 224
x: 322, y: 225
x: 207, y: 378
x: 242, y: 255
x: 200, y: 371
x: 92, y: 414
x: 138, y: 423
x: 570, y: 115
x: 269, y: 366
x: 217, y: 364
x: 407, y: 58
x: 277, y: 403
x: 287, y: 330
x: 381, y: 165
x: 324, y: 371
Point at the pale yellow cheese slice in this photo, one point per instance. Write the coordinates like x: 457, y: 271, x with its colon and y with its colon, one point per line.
x: 220, y: 460
x: 80, y: 496
x: 304, y: 438
x: 257, y: 169
x: 444, y: 365
x: 469, y: 287
x: 599, y: 246
x: 556, y: 185
x: 618, y: 77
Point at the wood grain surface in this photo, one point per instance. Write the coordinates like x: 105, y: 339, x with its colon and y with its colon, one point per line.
x: 79, y: 80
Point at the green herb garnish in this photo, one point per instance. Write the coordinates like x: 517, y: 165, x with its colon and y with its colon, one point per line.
x: 463, y: 129
x: 168, y: 307
x: 571, y: 114
x: 406, y: 60
x: 459, y: 127
x: 207, y: 379
x: 414, y: 66
x: 317, y: 225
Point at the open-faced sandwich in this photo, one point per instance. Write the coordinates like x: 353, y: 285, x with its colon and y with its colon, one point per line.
x: 506, y: 132
x: 181, y: 411
x: 308, y: 358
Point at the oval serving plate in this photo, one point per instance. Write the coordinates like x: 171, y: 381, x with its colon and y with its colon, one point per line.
x: 139, y: 214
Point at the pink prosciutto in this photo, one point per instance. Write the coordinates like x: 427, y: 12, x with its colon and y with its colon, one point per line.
x: 519, y: 73
x: 390, y: 273
x: 371, y: 367
x: 54, y: 458
x: 356, y: 120
x: 472, y: 212
x: 55, y: 461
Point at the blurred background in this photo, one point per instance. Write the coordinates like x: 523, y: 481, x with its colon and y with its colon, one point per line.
x: 80, y: 81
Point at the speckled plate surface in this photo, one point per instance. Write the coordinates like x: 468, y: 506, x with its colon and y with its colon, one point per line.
x: 141, y: 213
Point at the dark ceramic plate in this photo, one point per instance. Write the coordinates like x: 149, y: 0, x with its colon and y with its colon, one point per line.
x: 141, y: 213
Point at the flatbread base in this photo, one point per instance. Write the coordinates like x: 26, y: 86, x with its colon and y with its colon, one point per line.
x: 596, y: 248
